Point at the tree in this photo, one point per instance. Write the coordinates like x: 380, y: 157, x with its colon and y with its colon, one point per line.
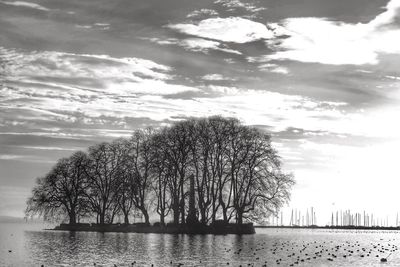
x: 162, y: 171
x: 177, y: 147
x: 258, y: 181
x: 200, y: 149
x: 234, y: 173
x: 61, y: 191
x: 125, y: 197
x: 138, y: 162
x: 104, y: 163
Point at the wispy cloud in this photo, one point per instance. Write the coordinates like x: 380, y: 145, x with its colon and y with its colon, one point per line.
x: 50, y: 148
x: 9, y: 157
x: 236, y: 4
x: 25, y: 4
x: 205, y: 12
x: 274, y: 68
x: 195, y: 44
x: 216, y: 77
x: 132, y: 87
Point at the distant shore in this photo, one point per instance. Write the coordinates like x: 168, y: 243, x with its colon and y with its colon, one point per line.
x: 239, y: 229
x: 348, y: 227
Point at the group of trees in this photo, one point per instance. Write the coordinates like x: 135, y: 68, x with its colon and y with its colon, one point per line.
x: 236, y: 174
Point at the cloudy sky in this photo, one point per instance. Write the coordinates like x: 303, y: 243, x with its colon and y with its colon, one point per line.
x: 321, y: 76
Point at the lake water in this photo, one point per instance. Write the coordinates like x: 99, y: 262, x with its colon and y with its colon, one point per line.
x: 31, y: 246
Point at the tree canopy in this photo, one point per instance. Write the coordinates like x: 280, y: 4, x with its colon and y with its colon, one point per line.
x: 231, y: 169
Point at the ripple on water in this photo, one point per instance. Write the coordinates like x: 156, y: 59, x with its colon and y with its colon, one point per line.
x: 274, y: 247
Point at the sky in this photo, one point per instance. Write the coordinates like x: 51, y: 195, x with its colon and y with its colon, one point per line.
x: 321, y: 76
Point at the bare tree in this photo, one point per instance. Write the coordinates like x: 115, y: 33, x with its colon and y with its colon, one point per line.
x: 61, y: 191
x: 236, y: 174
x: 257, y: 177
x: 103, y: 184
x: 138, y: 164
x: 200, y: 149
x: 162, y: 171
x: 125, y: 197
x: 177, y: 143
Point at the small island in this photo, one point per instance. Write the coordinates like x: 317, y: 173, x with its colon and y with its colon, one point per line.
x: 205, y: 176
x: 217, y: 229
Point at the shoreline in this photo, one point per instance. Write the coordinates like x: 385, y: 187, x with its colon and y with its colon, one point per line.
x: 350, y: 227
x: 242, y: 229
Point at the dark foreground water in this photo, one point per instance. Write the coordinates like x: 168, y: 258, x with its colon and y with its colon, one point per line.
x: 31, y: 246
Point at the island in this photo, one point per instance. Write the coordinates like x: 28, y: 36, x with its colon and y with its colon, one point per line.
x: 217, y: 229
x: 210, y: 175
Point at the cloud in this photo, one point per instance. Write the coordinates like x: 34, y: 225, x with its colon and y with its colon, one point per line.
x: 232, y: 29
x: 236, y: 4
x: 195, y: 44
x: 95, y: 26
x: 274, y: 68
x: 25, y: 4
x: 60, y: 64
x: 280, y: 70
x: 393, y: 77
x: 84, y: 26
x: 324, y: 41
x: 254, y: 107
x: 216, y: 77
x: 50, y: 134
x: 53, y: 87
x: 199, y: 44
x: 202, y: 13
x: 50, y: 148
x: 9, y: 157
x: 25, y: 158
x: 82, y: 75
x: 389, y: 16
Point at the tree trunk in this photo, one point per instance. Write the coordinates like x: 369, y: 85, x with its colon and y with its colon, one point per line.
x: 102, y: 217
x: 162, y: 218
x: 72, y: 217
x: 183, y: 218
x: 224, y: 211
x: 213, y: 217
x: 112, y: 218
x: 126, y: 218
x: 175, y: 209
x: 146, y: 216
x: 239, y: 217
x: 203, y: 216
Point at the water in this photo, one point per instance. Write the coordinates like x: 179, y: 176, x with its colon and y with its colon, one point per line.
x: 32, y: 246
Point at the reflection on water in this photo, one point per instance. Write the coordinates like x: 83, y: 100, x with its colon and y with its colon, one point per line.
x: 68, y: 248
x: 33, y: 247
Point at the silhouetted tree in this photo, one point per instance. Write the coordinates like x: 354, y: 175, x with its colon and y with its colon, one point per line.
x: 236, y: 174
x: 162, y: 171
x: 138, y: 162
x: 177, y: 146
x: 61, y: 191
x: 103, y: 185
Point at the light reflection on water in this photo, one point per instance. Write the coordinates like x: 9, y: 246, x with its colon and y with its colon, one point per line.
x: 32, y: 247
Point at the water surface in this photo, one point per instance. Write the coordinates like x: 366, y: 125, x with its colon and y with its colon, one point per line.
x: 31, y: 246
